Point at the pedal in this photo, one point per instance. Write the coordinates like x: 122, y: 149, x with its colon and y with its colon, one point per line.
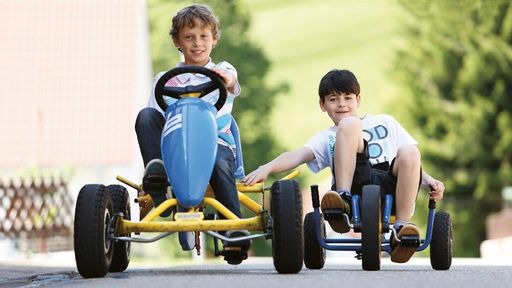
x: 410, y: 241
x: 155, y: 183
x: 236, y: 251
x: 333, y: 214
x: 234, y: 255
x: 336, y: 219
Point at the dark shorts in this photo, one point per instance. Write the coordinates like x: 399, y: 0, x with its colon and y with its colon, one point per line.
x: 380, y: 174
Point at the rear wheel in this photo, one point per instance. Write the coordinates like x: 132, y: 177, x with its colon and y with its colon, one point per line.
x: 314, y: 254
x: 286, y: 212
x: 121, y: 204
x: 441, y: 245
x: 371, y: 227
x: 92, y: 231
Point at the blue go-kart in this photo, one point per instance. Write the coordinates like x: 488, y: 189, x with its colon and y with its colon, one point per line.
x: 104, y: 231
x: 371, y: 217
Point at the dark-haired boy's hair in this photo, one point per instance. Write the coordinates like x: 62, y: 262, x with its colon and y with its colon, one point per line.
x: 188, y: 15
x: 338, y: 82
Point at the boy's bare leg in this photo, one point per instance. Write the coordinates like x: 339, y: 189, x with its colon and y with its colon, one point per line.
x: 349, y: 141
x: 407, y: 169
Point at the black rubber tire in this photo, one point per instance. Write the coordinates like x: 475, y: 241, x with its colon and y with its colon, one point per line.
x: 93, y: 250
x: 441, y: 245
x: 371, y: 227
x: 314, y: 254
x: 121, y: 203
x: 286, y: 212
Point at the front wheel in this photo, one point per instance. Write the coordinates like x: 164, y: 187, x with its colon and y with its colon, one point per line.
x: 314, y: 254
x: 371, y: 227
x: 286, y: 212
x: 92, y: 232
x: 441, y: 245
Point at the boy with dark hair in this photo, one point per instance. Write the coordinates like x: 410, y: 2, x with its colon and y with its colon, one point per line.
x: 360, y: 151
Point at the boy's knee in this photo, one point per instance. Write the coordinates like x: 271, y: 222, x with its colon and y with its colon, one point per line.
x: 350, y: 124
x: 147, y: 116
x: 409, y: 155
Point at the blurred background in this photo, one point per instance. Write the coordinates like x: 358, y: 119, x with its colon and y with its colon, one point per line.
x: 74, y: 74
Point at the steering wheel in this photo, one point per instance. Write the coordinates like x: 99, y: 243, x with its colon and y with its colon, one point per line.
x: 200, y: 90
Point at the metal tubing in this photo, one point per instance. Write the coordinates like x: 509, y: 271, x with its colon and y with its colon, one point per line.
x: 388, y: 204
x: 251, y: 224
x: 219, y: 207
x: 430, y: 226
x: 327, y: 246
x: 249, y: 203
x: 143, y: 240
x: 234, y: 239
x: 355, y: 209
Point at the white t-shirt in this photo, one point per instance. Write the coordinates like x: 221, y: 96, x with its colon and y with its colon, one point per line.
x: 223, y: 115
x: 383, y: 133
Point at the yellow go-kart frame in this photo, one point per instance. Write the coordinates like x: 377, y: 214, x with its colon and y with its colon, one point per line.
x: 193, y: 220
x: 103, y: 226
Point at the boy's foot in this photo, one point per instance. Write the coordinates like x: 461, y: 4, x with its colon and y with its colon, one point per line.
x: 333, y: 200
x: 155, y: 184
x: 409, y: 237
x: 235, y: 252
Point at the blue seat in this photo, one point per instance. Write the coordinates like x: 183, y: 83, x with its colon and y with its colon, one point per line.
x: 239, y: 161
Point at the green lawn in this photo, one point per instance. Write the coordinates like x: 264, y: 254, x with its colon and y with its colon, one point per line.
x: 304, y: 39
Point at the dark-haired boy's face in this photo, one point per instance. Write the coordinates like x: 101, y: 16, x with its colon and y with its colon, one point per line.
x: 339, y: 106
x: 196, y: 43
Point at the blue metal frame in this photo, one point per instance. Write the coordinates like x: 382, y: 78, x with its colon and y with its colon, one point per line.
x: 344, y: 244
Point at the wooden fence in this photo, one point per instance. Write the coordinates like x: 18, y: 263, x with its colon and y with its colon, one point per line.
x: 37, y: 212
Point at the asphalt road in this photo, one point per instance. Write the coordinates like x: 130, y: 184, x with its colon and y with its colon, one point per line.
x: 260, y: 272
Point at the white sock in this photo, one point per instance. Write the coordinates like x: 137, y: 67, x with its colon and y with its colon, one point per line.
x: 399, y: 223
x: 344, y: 192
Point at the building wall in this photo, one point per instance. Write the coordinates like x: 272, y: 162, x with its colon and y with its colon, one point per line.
x: 73, y: 76
x: 499, y: 236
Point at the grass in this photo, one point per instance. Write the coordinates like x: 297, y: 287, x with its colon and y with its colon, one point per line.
x: 305, y: 39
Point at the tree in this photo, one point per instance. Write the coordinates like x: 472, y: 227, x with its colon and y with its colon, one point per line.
x: 253, y: 108
x: 456, y: 71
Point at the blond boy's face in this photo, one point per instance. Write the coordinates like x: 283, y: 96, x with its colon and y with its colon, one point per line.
x: 196, y: 43
x: 339, y: 106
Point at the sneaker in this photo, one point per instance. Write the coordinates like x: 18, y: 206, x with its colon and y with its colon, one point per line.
x: 333, y: 200
x: 403, y: 251
x: 155, y: 184
x: 235, y: 252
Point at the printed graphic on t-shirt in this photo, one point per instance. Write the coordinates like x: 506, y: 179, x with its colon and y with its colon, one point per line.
x: 331, y: 139
x: 377, y: 145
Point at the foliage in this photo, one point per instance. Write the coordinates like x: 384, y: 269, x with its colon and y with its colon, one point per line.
x: 456, y: 70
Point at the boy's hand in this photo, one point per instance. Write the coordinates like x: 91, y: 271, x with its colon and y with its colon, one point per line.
x: 257, y: 175
x: 436, y: 189
x: 226, y: 76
